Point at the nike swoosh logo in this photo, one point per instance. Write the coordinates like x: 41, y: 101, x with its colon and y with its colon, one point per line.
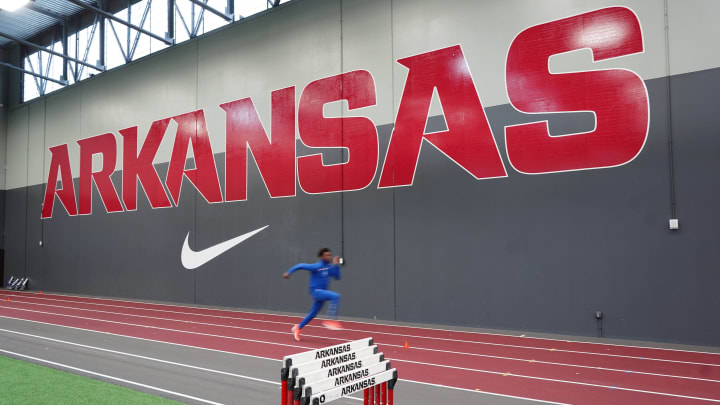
x: 192, y: 260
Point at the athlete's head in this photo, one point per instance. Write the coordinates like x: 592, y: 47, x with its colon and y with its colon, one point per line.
x: 325, y: 254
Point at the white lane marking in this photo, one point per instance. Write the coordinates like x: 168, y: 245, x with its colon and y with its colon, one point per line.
x: 559, y: 381
x: 65, y: 366
x: 423, y: 348
x: 13, y: 293
x: 280, y: 360
x: 139, y: 338
x: 478, y: 391
x: 140, y: 356
x: 366, y: 331
x: 159, y: 328
x: 151, y: 358
x: 270, y: 359
x: 422, y: 363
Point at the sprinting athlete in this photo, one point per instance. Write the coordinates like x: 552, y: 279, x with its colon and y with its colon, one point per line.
x: 320, y: 274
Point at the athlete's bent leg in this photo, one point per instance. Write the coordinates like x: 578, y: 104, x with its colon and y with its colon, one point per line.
x: 334, y: 299
x: 317, y: 306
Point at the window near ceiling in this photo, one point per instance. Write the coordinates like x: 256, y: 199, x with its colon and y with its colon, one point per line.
x: 122, y: 44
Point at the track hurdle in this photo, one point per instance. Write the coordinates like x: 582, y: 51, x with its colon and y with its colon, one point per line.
x: 371, y: 387
x: 323, y: 375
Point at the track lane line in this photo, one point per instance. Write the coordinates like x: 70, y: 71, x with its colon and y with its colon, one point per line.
x: 416, y: 347
x: 109, y: 377
x: 610, y: 346
x: 269, y: 359
x: 140, y: 356
x: 394, y: 334
x: 416, y: 362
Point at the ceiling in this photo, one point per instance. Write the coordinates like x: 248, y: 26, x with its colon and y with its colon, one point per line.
x: 30, y: 20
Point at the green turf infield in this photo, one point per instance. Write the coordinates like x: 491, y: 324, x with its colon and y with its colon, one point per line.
x: 26, y: 383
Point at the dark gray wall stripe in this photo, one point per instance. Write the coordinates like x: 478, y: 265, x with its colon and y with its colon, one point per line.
x: 535, y: 253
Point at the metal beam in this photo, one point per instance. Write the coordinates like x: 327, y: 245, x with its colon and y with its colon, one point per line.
x: 101, y: 47
x: 230, y: 8
x: 212, y: 10
x: 64, y: 42
x: 117, y: 38
x: 45, y: 11
x: 28, y: 60
x: 119, y: 20
x: 170, y: 34
x: 50, y: 51
x: 102, y: 55
x: 200, y: 20
x: 131, y: 52
x: 64, y: 83
x: 182, y: 20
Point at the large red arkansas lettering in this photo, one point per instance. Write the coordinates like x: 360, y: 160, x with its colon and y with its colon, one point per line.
x: 617, y: 96
x: 59, y: 162
x: 193, y: 130
x: 357, y: 134
x: 275, y: 157
x: 139, y: 166
x: 468, y: 141
x: 105, y: 146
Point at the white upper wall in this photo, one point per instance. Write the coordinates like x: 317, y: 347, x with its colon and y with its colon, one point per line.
x: 307, y: 40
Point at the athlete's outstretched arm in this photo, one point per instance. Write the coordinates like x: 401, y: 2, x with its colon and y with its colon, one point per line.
x: 301, y: 266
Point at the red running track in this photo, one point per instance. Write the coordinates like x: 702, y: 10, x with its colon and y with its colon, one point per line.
x: 543, y: 369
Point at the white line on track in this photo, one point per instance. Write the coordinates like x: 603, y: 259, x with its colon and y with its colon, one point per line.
x: 393, y: 345
x: 360, y: 322
x: 562, y: 381
x: 374, y: 332
x: 139, y: 338
x: 140, y: 357
x: 397, y: 360
x: 159, y: 328
x: 485, y: 392
x: 239, y: 354
x: 109, y: 377
x: 173, y: 363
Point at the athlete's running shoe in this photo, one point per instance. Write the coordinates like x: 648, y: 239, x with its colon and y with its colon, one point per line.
x: 296, y: 332
x: 332, y: 325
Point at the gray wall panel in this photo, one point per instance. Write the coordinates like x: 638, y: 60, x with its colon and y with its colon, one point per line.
x: 692, y: 273
x: 4, y: 84
x: 368, y: 285
x: 299, y: 226
x: 4, y: 93
x: 36, y: 259
x: 128, y: 255
x: 54, y: 266
x: 524, y: 252
x: 15, y: 231
x: 16, y: 149
x: 2, y: 218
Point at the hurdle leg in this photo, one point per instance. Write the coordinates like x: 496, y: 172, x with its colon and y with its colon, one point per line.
x: 378, y: 397
x: 371, y: 396
x: 391, y: 387
x: 290, y: 391
x: 365, y: 396
x: 383, y: 388
x: 283, y: 388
